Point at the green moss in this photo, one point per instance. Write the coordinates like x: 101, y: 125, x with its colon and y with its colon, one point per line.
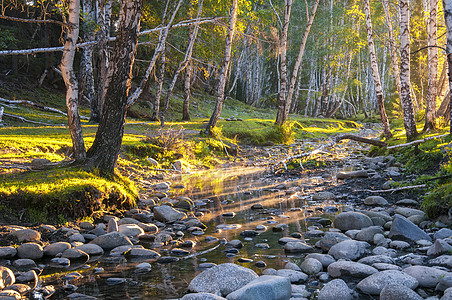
x: 439, y: 201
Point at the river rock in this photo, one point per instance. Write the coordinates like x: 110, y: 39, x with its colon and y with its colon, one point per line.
x: 399, y: 245
x: 30, y: 250
x: 10, y: 295
x: 444, y: 283
x: 398, y: 292
x: 24, y: 264
x: 408, y: 212
x: 324, y: 259
x: 443, y: 261
x: 75, y: 254
x: 264, y: 287
x: 29, y: 276
x: 376, y: 201
x: 111, y: 240
x: 55, y: 248
x: 323, y: 196
x: 367, y: 234
x: 202, y: 296
x: 407, y: 202
x: 222, y: 279
x: 292, y: 266
x: 443, y: 233
x: 27, y: 235
x: 298, y: 247
x: 352, y: 174
x: 91, y: 249
x: 161, y: 186
x: 375, y: 283
x: 374, y: 259
x: 439, y: 247
x: 294, y: 276
x: 7, y: 252
x: 349, y: 249
x: 336, y: 289
x: 404, y: 229
x: 79, y: 296
x: 345, y: 268
x: 311, y: 266
x: 330, y: 239
x: 112, y: 225
x: 130, y: 230
x: 427, y: 277
x: 351, y: 220
x: 167, y: 214
x: 142, y: 253
x: 6, y: 277
x: 376, y: 214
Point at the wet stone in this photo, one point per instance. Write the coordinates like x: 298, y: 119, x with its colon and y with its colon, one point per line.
x: 234, y: 244
x: 7, y: 252
x: 167, y: 259
x: 24, y: 264
x: 30, y: 250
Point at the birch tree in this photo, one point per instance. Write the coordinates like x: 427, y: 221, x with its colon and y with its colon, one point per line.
x: 432, y: 92
x: 104, y: 152
x: 375, y: 71
x: 224, y: 68
x: 405, y: 97
x: 280, y: 120
x: 447, y: 6
x: 66, y: 66
x: 288, y: 101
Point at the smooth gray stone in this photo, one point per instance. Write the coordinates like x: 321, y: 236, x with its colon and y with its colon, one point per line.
x: 27, y: 235
x: 202, y: 296
x: 7, y: 252
x: 311, y: 266
x: 324, y: 259
x: 345, y: 268
x: 443, y: 261
x: 30, y: 250
x: 367, y: 234
x: 78, y: 296
x: 370, y: 260
x: 352, y: 174
x: 91, y: 249
x: 167, y: 214
x: 351, y: 220
x: 336, y: 289
x: 444, y: 283
x: 375, y: 283
x: 55, y: 248
x: 111, y: 240
x: 404, y: 229
x: 398, y: 292
x: 294, y: 276
x: 376, y: 201
x: 439, y: 247
x: 330, y: 239
x: 323, y: 196
x: 443, y: 233
x: 222, y: 279
x: 298, y: 247
x: 408, y: 212
x: 265, y: 287
x: 350, y: 249
x: 427, y: 277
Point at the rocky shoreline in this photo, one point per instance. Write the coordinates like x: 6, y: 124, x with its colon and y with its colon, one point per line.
x: 365, y: 245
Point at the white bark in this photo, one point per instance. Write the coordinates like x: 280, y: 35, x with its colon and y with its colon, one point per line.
x: 70, y: 80
x: 447, y: 6
x: 430, y: 109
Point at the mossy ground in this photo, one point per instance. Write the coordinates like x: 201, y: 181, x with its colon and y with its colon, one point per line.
x: 59, y: 194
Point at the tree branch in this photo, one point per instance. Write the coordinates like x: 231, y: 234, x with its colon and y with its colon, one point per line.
x: 30, y: 121
x: 33, y: 20
x: 374, y: 142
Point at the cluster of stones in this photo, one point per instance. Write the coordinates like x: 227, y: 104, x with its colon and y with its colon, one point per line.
x: 115, y: 240
x: 369, y: 253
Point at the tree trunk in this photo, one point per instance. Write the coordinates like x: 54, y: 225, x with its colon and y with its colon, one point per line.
x: 405, y: 97
x: 375, y: 71
x: 224, y: 69
x: 66, y: 66
x: 187, y: 91
x: 280, y: 118
x: 160, y: 79
x: 183, y: 64
x: 430, y: 109
x: 447, y: 5
x: 394, y: 60
x: 104, y: 152
x: 298, y: 63
x: 86, y: 79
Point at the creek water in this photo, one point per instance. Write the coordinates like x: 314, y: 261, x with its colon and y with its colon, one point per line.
x: 217, y: 194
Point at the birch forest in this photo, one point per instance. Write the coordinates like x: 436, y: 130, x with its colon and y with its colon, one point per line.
x: 383, y: 60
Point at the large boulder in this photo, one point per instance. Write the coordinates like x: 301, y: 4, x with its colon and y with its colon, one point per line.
x: 336, y: 289
x: 265, y: 287
x: 404, y: 229
x: 349, y: 249
x: 167, y: 214
x: 222, y: 279
x: 398, y: 292
x: 375, y: 283
x: 111, y: 240
x: 427, y: 277
x: 352, y: 220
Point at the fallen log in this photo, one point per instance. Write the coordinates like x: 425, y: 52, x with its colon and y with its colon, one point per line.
x: 403, y: 188
x: 30, y: 121
x: 374, y: 142
x: 417, y: 142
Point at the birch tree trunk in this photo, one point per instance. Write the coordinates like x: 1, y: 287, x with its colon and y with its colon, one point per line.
x: 280, y: 120
x: 405, y: 97
x: 104, y: 152
x: 160, y: 79
x: 293, y: 79
x: 187, y: 91
x: 447, y: 6
x: 375, y: 71
x: 224, y: 69
x: 394, y: 60
x: 183, y: 64
x: 430, y: 109
x: 66, y: 66
x: 86, y: 64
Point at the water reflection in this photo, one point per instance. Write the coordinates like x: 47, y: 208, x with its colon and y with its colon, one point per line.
x: 232, y: 191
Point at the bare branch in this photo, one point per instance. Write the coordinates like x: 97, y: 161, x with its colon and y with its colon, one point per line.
x: 33, y: 20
